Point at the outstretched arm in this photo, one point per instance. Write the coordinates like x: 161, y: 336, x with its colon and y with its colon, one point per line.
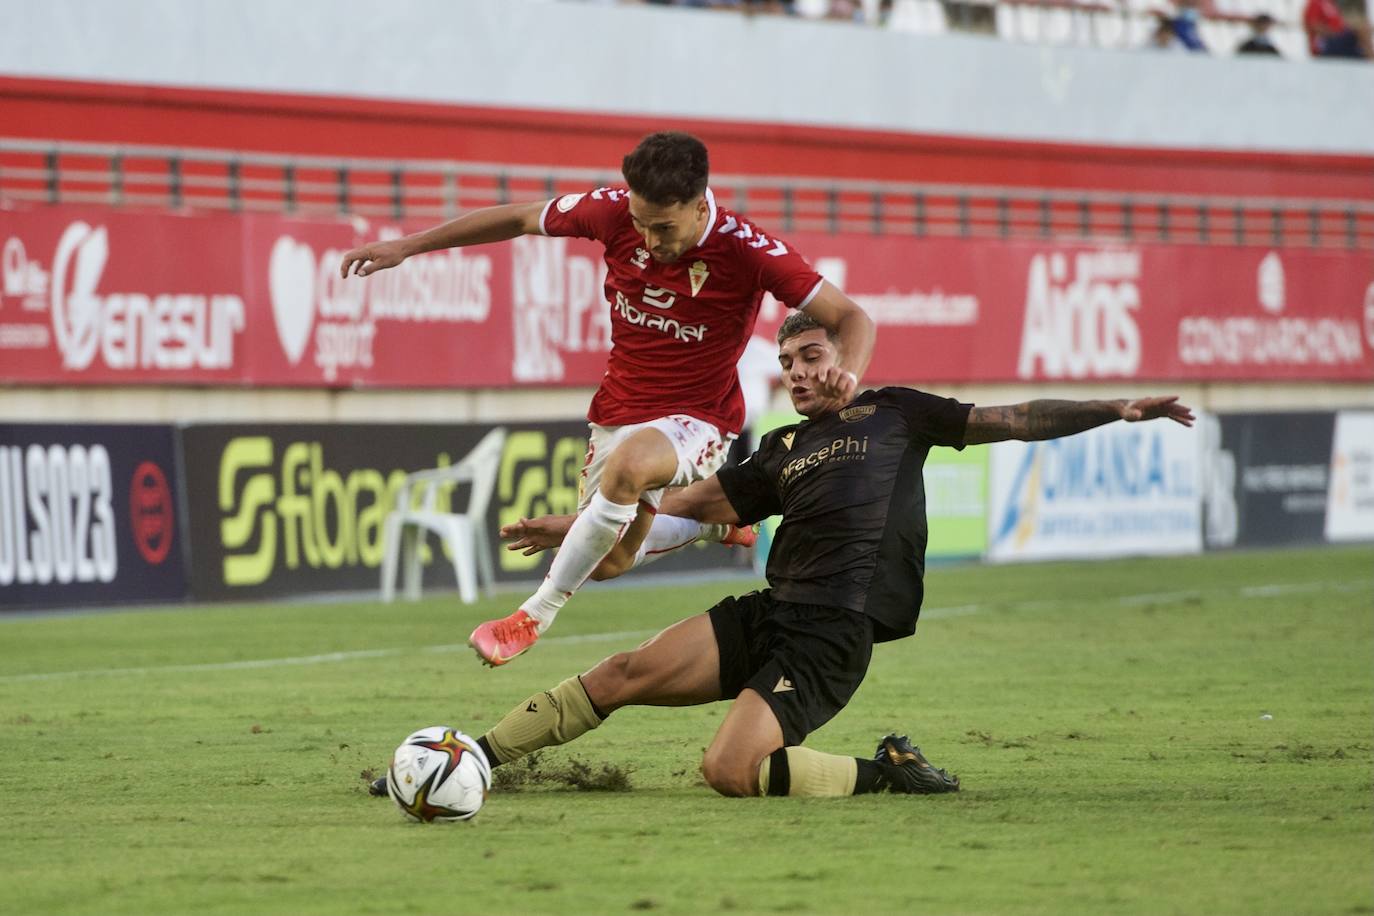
x: 1046, y: 419
x: 704, y: 501
x: 491, y: 224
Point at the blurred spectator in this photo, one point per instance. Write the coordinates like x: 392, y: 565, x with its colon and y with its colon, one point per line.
x: 846, y: 10
x: 1329, y: 35
x: 1259, y: 41
x: 1164, y: 38
x: 769, y: 7
x: 1186, y: 25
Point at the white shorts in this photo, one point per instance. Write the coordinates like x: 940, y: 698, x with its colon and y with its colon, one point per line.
x: 699, y: 446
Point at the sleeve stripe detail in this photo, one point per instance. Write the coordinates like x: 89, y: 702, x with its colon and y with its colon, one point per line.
x: 543, y: 214
x: 811, y: 295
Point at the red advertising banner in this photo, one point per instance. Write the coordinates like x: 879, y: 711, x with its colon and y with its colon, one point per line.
x: 102, y: 296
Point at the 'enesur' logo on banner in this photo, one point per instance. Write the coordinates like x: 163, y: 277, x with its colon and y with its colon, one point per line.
x: 133, y: 330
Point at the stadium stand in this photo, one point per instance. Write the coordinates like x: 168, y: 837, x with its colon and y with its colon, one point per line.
x: 1221, y: 25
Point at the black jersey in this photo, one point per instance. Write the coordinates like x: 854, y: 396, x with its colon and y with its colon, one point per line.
x: 849, y: 488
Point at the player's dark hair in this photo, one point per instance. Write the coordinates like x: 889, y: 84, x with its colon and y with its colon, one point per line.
x: 800, y: 322
x: 669, y: 167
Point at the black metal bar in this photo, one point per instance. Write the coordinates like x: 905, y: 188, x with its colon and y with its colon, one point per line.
x: 342, y: 178
x: 1045, y: 217
x: 1276, y: 225
x: 921, y: 213
x: 550, y: 186
x: 1350, y: 233
x: 832, y: 208
x: 53, y: 185
x: 117, y: 179
x: 235, y: 184
x: 288, y: 179
x: 1238, y: 214
x: 1314, y: 227
x: 787, y: 208
x: 1128, y: 219
x: 1164, y: 221
x: 502, y: 188
x: 964, y: 227
x: 174, y: 181
x: 1204, y: 230
x: 398, y: 197
x: 1003, y: 217
x: 877, y: 205
x: 1085, y: 219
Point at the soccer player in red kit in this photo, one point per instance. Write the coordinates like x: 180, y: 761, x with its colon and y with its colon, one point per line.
x: 684, y: 281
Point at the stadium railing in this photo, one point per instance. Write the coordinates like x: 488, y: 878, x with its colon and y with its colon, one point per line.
x: 204, y: 179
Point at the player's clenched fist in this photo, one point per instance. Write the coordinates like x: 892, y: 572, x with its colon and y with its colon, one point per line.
x: 371, y: 258
x: 839, y: 383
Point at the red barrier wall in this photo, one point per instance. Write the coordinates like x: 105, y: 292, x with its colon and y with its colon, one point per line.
x: 65, y: 110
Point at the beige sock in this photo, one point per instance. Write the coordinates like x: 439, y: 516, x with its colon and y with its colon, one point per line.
x: 553, y: 717
x: 810, y: 774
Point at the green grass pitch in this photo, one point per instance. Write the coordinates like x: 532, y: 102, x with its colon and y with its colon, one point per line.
x: 1181, y: 735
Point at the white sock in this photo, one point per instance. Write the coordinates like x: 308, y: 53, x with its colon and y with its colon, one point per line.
x: 591, y: 537
x: 669, y: 532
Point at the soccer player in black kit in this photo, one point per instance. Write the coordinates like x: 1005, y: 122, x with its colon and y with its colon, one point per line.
x: 844, y: 573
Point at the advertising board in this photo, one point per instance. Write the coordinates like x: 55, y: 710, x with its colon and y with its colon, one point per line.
x: 89, y: 516
x: 254, y: 298
x: 1117, y: 490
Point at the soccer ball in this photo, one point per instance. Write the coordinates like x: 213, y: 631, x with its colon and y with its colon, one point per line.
x: 439, y: 774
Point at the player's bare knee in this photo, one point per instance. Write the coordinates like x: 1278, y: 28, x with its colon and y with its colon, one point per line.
x: 621, y: 482
x: 729, y: 774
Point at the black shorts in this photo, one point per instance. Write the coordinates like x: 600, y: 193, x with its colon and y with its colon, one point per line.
x: 806, y: 660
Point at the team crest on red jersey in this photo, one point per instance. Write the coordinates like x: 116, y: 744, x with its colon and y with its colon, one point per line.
x: 699, y: 275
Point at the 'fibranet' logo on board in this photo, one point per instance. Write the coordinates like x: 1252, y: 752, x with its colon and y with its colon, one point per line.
x: 291, y: 508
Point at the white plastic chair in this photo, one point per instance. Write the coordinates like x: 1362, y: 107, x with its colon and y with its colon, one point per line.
x: 464, y: 533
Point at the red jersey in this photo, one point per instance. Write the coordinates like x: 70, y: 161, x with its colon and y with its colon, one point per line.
x: 1321, y: 13
x: 677, y: 330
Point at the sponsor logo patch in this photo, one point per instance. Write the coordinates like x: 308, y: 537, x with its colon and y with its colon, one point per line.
x: 855, y: 414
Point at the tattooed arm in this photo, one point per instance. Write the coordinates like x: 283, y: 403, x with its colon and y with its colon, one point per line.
x: 1051, y: 419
